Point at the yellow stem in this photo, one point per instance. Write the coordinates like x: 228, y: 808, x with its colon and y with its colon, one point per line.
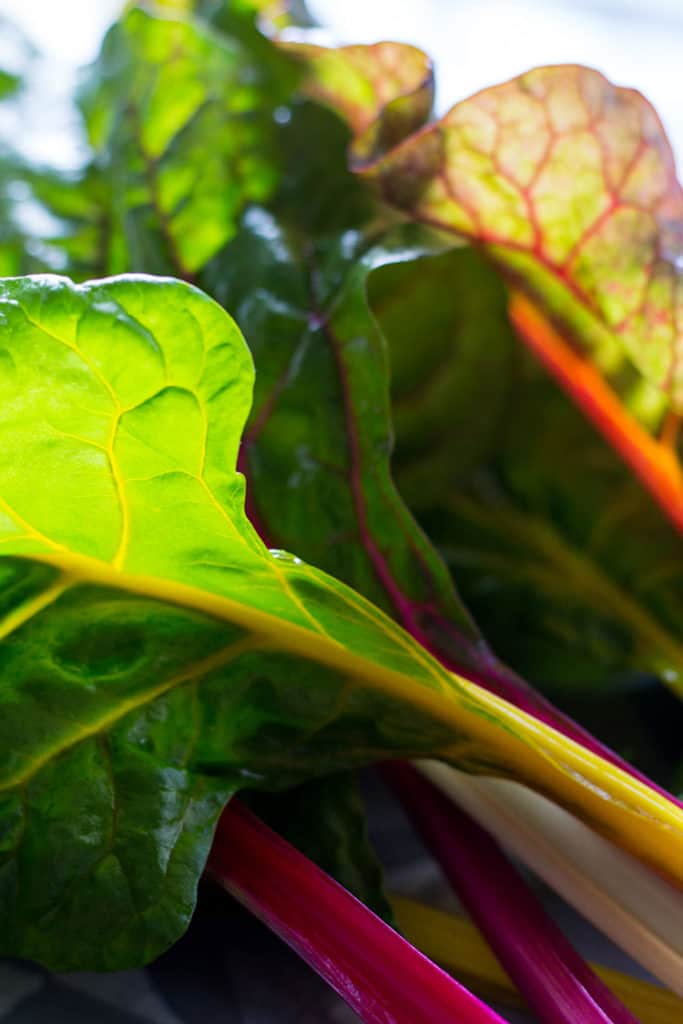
x: 457, y: 945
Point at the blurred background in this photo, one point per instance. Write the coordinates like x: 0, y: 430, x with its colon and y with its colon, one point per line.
x: 474, y: 43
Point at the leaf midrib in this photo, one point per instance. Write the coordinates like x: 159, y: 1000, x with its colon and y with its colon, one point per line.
x: 265, y: 632
x: 504, y: 736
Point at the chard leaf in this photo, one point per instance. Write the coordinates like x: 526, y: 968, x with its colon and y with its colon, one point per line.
x: 575, y: 576
x: 113, y: 85
x: 384, y: 91
x: 295, y: 278
x: 156, y: 656
x: 181, y: 120
x: 568, y: 184
x: 288, y: 265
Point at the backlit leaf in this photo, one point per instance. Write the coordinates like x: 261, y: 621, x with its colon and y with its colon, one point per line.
x: 569, y: 182
x: 156, y: 656
x: 384, y: 91
x: 180, y: 118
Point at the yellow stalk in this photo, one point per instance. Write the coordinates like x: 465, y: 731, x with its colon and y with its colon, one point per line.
x: 638, y: 909
x: 457, y: 945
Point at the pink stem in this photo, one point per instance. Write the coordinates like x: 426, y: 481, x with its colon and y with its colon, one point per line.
x: 500, y: 680
x: 380, y: 975
x: 555, y: 981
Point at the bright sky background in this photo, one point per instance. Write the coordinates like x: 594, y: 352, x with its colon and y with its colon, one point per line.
x: 473, y: 42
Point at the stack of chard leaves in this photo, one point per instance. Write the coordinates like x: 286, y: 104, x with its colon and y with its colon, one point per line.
x: 331, y: 279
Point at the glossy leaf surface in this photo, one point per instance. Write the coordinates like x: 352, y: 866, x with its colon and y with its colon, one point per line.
x: 156, y: 656
x: 319, y: 471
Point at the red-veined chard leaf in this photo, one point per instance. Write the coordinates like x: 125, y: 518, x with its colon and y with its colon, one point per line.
x: 156, y: 656
x: 294, y: 275
x: 568, y: 184
x: 574, y: 576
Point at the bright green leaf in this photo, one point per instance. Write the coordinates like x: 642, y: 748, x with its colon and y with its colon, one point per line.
x: 156, y: 656
x: 181, y: 119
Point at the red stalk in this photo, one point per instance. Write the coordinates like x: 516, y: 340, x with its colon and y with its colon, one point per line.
x: 654, y: 462
x: 555, y: 981
x: 380, y: 975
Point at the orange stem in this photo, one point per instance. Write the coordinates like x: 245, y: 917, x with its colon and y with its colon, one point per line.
x: 653, y: 461
x: 670, y: 431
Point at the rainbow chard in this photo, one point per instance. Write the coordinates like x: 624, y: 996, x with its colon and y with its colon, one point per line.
x: 157, y: 648
x: 157, y: 639
x: 568, y: 184
x: 372, y: 968
x: 548, y: 972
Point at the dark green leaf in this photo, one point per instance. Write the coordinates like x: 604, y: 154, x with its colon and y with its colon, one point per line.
x: 570, y: 569
x: 319, y: 471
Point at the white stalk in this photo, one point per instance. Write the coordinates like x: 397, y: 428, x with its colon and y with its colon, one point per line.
x: 639, y: 911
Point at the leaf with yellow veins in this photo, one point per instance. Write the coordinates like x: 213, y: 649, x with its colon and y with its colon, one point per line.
x: 155, y: 656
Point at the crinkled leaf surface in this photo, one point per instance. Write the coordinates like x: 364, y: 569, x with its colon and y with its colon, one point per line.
x: 288, y: 266
x: 289, y: 275
x: 266, y: 276
x: 569, y: 182
x: 156, y: 655
x: 574, y: 575
x: 180, y: 117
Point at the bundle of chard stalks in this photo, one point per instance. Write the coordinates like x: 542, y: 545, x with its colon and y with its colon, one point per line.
x: 282, y: 308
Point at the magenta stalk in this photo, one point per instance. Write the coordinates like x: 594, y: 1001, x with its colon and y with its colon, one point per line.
x: 555, y: 981
x: 380, y: 975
